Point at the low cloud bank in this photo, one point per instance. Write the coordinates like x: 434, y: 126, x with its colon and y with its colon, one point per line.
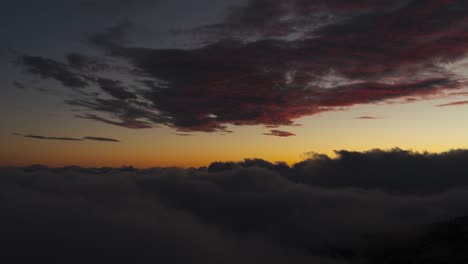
x: 320, y: 210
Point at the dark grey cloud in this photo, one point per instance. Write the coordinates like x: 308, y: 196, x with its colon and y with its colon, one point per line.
x: 270, y: 18
x: 19, y: 85
x: 112, y: 35
x: 368, y: 117
x: 115, y: 89
x: 397, y: 171
x: 75, y: 71
x: 103, y: 139
x: 183, y: 134
x: 52, y: 138
x: 83, y: 62
x: 453, y: 103
x: 130, y: 123
x: 318, y: 211
x: 51, y: 69
x: 279, y: 133
x: 110, y: 5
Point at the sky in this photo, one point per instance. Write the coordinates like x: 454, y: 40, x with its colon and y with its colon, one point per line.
x: 184, y: 83
x: 234, y: 131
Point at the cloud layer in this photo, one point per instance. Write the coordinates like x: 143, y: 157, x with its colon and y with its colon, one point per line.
x: 320, y: 210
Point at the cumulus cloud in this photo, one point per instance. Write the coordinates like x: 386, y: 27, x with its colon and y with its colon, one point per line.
x: 272, y: 62
x: 321, y: 210
x: 395, y: 171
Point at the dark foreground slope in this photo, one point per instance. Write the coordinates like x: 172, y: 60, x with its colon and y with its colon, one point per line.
x: 443, y: 243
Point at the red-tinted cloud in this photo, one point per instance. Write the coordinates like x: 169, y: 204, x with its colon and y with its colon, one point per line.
x: 272, y: 62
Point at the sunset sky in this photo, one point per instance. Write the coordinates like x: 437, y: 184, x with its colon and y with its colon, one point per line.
x: 187, y: 82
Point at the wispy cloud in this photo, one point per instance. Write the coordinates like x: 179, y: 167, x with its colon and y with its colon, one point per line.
x: 19, y: 85
x: 52, y: 69
x: 101, y: 139
x: 104, y: 139
x: 52, y: 138
x: 130, y: 123
x: 279, y: 133
x: 183, y: 134
x: 453, y: 104
x: 368, y: 117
